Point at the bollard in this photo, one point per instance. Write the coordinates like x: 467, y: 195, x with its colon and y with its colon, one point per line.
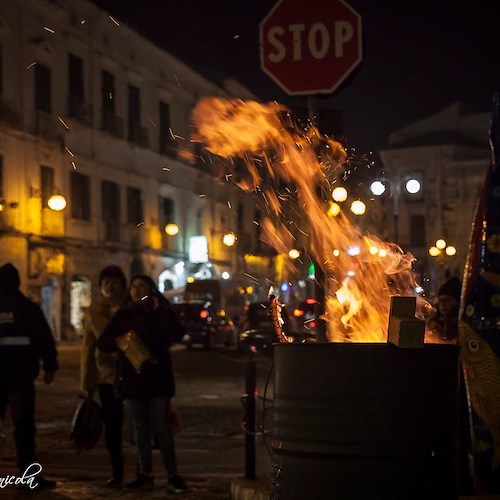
x: 250, y: 383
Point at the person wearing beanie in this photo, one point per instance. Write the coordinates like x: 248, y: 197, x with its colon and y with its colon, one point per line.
x: 445, y: 323
x: 25, y: 340
x: 98, y: 369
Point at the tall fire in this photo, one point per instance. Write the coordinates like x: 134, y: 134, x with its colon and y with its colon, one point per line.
x: 294, y: 170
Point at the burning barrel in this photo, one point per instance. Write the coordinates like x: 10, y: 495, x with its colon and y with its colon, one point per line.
x: 365, y: 421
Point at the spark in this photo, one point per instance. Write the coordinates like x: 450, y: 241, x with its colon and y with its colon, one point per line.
x: 229, y: 204
x: 73, y: 164
x: 236, y: 37
x: 31, y: 65
x: 62, y: 121
x: 251, y: 277
x: 256, y: 223
x: 140, y: 224
x: 179, y: 137
x: 69, y: 151
x: 177, y: 80
x: 166, y: 169
x: 228, y: 176
x: 114, y: 20
x: 83, y: 21
x: 201, y: 195
x: 171, y: 133
x: 152, y: 122
x: 50, y: 30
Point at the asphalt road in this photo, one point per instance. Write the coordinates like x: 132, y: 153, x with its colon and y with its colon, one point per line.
x: 210, y: 447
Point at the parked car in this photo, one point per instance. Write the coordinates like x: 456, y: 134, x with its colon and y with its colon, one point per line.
x: 204, y: 324
x: 257, y: 317
x: 305, y: 315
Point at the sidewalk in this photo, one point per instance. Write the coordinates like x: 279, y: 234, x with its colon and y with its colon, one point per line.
x: 212, y: 467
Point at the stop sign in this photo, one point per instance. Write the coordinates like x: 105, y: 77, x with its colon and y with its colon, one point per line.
x: 310, y: 47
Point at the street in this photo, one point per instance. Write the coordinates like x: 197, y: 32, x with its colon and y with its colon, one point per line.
x: 210, y: 447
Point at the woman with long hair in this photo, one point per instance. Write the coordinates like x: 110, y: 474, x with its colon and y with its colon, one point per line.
x: 141, y: 333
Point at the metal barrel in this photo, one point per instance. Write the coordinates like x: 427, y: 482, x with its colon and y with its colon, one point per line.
x: 367, y: 421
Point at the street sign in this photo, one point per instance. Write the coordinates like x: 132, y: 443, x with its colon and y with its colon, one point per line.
x: 310, y: 47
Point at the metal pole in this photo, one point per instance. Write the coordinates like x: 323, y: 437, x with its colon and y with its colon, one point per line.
x: 319, y: 282
x: 250, y: 384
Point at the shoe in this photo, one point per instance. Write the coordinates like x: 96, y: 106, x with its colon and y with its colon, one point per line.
x: 141, y: 483
x: 176, y: 484
x: 114, y: 481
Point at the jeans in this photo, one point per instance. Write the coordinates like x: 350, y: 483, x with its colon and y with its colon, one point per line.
x: 112, y: 409
x: 20, y: 398
x: 150, y: 419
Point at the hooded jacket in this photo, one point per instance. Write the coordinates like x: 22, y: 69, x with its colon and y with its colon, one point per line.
x: 25, y: 336
x: 96, y: 367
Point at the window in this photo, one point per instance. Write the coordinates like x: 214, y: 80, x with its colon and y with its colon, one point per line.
x: 417, y: 231
x: 46, y: 184
x: 108, y: 92
x: 134, y: 113
x: 75, y: 85
x: 80, y: 196
x: 240, y: 225
x: 166, y: 139
x: 1, y: 179
x: 1, y: 70
x: 166, y: 212
x: 110, y: 192
x: 42, y: 88
x: 134, y: 206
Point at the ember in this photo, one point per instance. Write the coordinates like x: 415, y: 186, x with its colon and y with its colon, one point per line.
x: 288, y: 167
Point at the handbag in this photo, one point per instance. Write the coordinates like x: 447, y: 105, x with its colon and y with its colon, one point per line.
x: 86, y: 427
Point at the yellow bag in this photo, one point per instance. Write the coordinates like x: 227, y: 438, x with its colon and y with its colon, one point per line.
x: 134, y: 349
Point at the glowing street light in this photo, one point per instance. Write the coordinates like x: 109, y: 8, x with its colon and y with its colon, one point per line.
x: 441, y: 244
x: 377, y: 188
x: 229, y: 239
x: 451, y: 250
x: 334, y: 209
x: 171, y: 229
x: 57, y: 202
x: 339, y: 194
x: 294, y: 254
x: 358, y: 207
x: 413, y: 186
x: 434, y: 251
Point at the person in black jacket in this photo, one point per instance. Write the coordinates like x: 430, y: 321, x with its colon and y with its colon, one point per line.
x: 25, y: 339
x: 148, y: 391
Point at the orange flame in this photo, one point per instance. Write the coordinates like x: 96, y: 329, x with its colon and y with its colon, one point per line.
x: 289, y: 167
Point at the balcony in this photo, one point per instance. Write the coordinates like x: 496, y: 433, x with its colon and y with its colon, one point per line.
x: 48, y: 126
x: 111, y: 231
x: 139, y: 135
x: 79, y: 109
x: 112, y: 124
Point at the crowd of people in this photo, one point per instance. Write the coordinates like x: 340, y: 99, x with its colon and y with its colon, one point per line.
x: 125, y: 359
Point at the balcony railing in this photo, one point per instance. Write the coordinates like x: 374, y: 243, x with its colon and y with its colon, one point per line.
x: 112, y: 124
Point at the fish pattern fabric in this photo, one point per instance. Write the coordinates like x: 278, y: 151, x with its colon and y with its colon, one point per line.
x: 479, y: 328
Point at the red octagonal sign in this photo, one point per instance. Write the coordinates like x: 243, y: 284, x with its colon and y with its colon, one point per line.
x: 310, y: 47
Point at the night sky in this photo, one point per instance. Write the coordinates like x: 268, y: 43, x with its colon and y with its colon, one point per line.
x: 419, y: 56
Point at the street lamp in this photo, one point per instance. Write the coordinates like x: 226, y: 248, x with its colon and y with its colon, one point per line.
x: 412, y: 186
x: 171, y: 229
x: 57, y: 202
x: 229, y: 239
x: 294, y: 254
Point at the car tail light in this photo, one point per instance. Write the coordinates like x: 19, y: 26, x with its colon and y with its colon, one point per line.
x: 298, y: 312
x: 310, y: 301
x: 203, y: 314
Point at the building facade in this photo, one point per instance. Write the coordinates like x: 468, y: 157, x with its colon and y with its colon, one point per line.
x: 94, y: 112
x: 448, y: 154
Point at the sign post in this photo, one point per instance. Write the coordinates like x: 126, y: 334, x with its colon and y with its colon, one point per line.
x: 310, y: 48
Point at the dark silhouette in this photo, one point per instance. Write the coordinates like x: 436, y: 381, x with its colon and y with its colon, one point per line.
x: 25, y: 339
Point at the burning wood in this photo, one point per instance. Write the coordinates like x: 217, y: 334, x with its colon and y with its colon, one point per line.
x: 275, y: 313
x: 405, y: 330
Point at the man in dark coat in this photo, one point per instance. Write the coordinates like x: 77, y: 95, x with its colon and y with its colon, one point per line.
x: 25, y: 339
